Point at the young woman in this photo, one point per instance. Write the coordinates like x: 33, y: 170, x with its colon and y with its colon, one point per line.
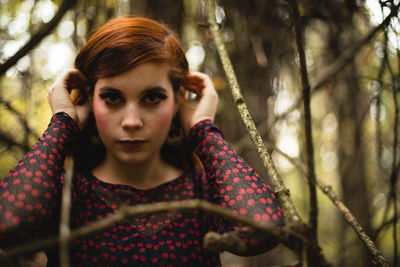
x: 134, y: 140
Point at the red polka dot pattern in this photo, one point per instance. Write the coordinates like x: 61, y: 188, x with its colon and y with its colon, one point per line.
x: 30, y: 203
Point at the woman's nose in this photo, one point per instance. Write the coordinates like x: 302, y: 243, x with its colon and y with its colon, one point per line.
x: 132, y: 119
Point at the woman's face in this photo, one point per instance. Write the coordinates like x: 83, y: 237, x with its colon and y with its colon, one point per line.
x: 133, y: 112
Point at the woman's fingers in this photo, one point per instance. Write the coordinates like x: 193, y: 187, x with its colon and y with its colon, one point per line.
x: 196, y: 82
x: 59, y: 95
x: 202, y: 86
x: 75, y: 80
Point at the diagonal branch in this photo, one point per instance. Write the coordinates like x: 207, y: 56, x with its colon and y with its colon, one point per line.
x: 279, y: 187
x: 9, y: 141
x: 38, y: 36
x: 337, y: 65
x: 348, y: 216
x: 20, y: 117
x: 126, y: 213
x: 353, y: 222
x: 348, y: 54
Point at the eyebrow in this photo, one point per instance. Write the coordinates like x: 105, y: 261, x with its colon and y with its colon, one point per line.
x: 156, y: 89
x: 106, y: 89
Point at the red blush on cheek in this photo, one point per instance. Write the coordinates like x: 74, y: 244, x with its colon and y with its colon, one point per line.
x: 102, y: 119
x: 167, y: 115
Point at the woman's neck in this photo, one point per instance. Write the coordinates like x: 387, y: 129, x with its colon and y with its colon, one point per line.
x: 140, y: 176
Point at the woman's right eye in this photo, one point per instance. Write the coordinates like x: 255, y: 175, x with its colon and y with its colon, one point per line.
x: 111, y: 98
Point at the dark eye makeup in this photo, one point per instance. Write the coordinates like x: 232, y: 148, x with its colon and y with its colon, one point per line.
x: 151, y: 96
x: 111, y: 96
x: 155, y: 95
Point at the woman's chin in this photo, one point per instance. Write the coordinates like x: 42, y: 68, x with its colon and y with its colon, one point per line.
x: 134, y: 159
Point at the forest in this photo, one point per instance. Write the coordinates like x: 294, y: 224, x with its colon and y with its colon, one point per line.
x: 309, y: 96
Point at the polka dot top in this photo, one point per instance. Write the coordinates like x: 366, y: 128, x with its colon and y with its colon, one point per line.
x: 30, y: 200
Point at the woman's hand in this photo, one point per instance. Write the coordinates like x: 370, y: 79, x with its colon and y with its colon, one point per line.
x: 60, y: 99
x: 202, y: 86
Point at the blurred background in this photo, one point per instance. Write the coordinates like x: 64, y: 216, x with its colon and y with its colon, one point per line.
x: 355, y: 112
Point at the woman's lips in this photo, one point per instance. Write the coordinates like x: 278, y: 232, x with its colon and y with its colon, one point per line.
x: 131, y: 144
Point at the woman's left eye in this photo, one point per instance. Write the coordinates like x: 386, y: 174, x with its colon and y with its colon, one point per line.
x: 154, y: 98
x: 111, y: 98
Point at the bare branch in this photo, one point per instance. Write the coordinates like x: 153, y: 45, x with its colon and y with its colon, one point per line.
x: 332, y: 69
x: 394, y: 171
x: 348, y: 216
x: 313, y: 213
x: 279, y: 187
x: 235, y: 243
x: 9, y: 141
x: 127, y: 213
x: 65, y: 212
x: 244, y: 143
x: 38, y: 36
x: 350, y: 219
x: 20, y: 117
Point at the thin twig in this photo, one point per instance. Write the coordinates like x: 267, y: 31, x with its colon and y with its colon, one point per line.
x: 348, y: 54
x: 313, y: 212
x: 38, y: 36
x: 127, y: 213
x: 382, y: 226
x: 350, y: 219
x: 20, y: 117
x: 11, y: 142
x: 348, y: 216
x: 65, y: 214
x: 279, y: 187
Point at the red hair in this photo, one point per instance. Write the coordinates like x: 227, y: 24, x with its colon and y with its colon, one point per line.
x: 123, y: 43
x: 119, y: 46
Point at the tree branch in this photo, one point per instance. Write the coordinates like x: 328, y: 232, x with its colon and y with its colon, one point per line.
x: 19, y: 115
x: 38, y: 36
x: 237, y: 242
x: 313, y: 212
x: 353, y: 222
x: 287, y: 237
x: 9, y: 141
x: 65, y: 214
x: 329, y: 71
x: 348, y: 216
x: 394, y: 171
x: 279, y: 187
x: 337, y: 65
x: 332, y: 69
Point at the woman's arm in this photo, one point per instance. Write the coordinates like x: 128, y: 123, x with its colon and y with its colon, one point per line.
x: 233, y: 183
x: 30, y: 194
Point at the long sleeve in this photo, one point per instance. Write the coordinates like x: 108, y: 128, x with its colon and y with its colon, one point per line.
x: 30, y: 194
x: 233, y: 183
